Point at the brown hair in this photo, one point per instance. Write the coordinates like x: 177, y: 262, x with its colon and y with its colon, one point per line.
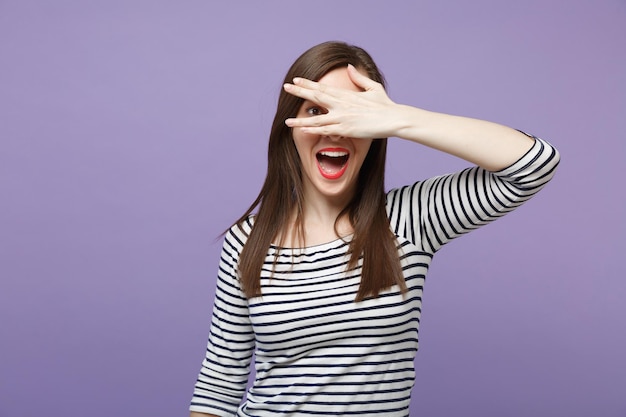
x: 282, y: 192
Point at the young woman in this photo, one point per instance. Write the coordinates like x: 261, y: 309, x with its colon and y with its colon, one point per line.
x: 324, y: 283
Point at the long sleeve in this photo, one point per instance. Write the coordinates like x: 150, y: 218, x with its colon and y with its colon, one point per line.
x: 435, y: 211
x: 224, y: 375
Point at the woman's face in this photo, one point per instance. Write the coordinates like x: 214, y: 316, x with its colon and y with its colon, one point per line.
x: 330, y: 164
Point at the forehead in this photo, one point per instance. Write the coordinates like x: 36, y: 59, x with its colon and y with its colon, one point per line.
x: 339, y: 78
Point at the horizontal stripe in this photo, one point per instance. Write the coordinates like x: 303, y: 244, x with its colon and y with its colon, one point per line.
x: 317, y: 351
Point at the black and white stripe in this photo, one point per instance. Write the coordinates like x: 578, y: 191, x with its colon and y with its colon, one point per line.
x: 318, y: 352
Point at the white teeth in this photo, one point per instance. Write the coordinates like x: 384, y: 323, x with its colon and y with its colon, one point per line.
x: 334, y: 154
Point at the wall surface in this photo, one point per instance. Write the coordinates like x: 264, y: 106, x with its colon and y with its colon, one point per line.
x: 132, y: 133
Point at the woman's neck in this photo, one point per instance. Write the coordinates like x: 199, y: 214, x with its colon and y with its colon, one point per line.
x: 320, y: 223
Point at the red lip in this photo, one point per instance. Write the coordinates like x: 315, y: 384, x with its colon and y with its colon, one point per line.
x: 336, y: 174
x: 334, y: 150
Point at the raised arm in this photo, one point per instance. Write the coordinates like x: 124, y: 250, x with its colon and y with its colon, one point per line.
x: 372, y: 114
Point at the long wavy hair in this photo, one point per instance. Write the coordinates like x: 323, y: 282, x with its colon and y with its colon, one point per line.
x: 282, y: 192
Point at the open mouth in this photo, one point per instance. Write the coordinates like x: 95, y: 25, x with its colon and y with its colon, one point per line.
x: 332, y: 162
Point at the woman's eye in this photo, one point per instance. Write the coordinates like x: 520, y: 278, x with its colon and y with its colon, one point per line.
x: 315, y: 111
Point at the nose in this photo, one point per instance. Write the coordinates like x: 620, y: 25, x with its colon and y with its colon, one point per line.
x: 335, y: 138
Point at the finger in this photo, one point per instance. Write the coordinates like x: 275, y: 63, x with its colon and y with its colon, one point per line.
x: 294, y: 90
x: 326, y: 130
x: 317, y: 86
x: 313, y: 121
x: 361, y: 80
x: 306, y: 83
x: 313, y: 95
x: 333, y: 130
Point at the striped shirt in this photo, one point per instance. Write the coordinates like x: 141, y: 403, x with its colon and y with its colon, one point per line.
x: 317, y: 351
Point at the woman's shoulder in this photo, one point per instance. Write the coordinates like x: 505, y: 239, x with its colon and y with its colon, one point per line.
x: 238, y: 233
x: 242, y: 227
x: 395, y: 195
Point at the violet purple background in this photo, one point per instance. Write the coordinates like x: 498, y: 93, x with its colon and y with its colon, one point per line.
x: 132, y: 133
